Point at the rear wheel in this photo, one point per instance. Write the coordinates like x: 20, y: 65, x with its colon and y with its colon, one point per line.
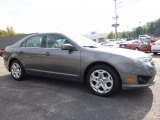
x: 136, y: 49
x: 17, y: 70
x: 155, y: 53
x: 103, y: 80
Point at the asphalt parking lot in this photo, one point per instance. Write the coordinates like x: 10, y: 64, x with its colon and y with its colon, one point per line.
x: 39, y: 98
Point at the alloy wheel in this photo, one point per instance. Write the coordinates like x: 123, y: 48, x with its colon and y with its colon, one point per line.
x: 16, y: 70
x: 101, y: 81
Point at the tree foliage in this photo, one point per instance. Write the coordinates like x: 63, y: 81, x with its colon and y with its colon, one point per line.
x: 110, y: 35
x: 9, y: 31
x: 150, y: 28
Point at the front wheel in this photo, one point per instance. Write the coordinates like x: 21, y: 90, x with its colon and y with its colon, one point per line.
x: 17, y: 70
x: 103, y: 80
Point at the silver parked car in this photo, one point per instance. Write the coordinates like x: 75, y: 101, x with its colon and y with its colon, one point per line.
x: 105, y: 70
x: 155, y: 47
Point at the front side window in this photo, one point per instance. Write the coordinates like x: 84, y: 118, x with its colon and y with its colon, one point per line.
x: 55, y: 41
x: 34, y: 41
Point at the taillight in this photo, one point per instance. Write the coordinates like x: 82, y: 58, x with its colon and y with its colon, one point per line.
x: 122, y: 45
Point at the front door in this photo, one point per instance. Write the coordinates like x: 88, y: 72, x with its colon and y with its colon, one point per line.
x: 62, y: 63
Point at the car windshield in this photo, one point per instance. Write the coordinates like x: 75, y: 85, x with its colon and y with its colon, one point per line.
x: 84, y: 42
x: 144, y: 41
x: 158, y: 41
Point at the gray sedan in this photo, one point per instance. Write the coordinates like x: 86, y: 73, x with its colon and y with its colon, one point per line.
x: 104, y: 70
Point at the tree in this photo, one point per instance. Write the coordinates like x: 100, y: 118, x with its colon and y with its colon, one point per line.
x: 119, y: 34
x: 157, y: 32
x: 10, y: 30
x: 110, y: 35
x: 3, y: 33
x: 124, y: 35
x: 144, y: 29
x: 150, y: 28
x: 139, y: 31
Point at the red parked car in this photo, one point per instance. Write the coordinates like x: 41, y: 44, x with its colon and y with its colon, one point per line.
x: 136, y: 45
x: 1, y: 52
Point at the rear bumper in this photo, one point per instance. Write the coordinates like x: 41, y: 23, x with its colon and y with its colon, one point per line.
x: 6, y: 62
x: 158, y: 51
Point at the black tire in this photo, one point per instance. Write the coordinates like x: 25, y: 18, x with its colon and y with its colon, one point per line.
x: 116, y: 80
x: 155, y: 53
x: 136, y: 49
x: 20, y: 76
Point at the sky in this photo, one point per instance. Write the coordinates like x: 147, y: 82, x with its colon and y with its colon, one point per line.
x: 76, y: 16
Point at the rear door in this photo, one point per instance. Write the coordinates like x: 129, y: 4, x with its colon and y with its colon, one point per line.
x: 31, y: 52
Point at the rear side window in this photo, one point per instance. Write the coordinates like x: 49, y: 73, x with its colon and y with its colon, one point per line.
x: 34, y: 41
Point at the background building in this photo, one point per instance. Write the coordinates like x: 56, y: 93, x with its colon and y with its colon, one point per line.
x: 98, y: 37
x: 9, y: 40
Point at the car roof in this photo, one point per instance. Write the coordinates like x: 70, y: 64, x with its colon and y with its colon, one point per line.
x: 129, y: 42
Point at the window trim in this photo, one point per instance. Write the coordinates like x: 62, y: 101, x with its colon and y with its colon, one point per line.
x: 25, y: 41
x: 71, y: 42
x: 55, y: 42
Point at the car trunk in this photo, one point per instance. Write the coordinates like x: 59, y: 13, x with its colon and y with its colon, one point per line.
x: 145, y: 48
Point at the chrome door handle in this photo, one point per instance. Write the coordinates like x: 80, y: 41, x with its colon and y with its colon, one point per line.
x: 47, y: 54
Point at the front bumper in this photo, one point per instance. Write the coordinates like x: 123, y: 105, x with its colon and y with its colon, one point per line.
x: 128, y: 86
x: 139, y: 75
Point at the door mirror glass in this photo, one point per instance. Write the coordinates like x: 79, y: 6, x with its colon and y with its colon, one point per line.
x: 67, y: 47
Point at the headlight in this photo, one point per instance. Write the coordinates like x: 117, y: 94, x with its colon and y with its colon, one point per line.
x: 146, y: 61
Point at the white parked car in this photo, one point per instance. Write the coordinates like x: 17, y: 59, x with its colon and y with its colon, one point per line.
x: 155, y: 47
x: 144, y: 37
x: 112, y: 44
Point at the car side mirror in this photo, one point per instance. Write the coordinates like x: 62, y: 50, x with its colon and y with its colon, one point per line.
x: 67, y: 47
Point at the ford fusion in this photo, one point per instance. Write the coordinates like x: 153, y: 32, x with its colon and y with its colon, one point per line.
x: 104, y: 70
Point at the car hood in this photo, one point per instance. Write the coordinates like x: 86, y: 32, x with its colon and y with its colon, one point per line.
x: 123, y: 52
